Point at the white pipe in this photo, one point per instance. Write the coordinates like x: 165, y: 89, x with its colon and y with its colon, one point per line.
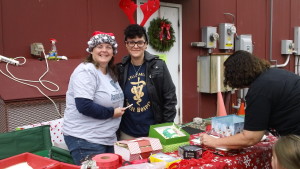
x: 240, y: 96
x: 218, y: 74
x: 239, y: 100
x: 271, y: 33
x: 285, y: 63
x: 297, y: 66
x: 271, y: 39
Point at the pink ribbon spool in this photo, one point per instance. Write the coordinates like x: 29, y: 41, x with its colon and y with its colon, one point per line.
x: 107, y: 161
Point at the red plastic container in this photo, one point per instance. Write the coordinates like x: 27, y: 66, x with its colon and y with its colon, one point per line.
x: 62, y: 165
x: 34, y: 161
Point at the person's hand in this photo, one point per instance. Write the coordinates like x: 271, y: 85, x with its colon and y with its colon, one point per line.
x: 118, y: 112
x: 207, y: 140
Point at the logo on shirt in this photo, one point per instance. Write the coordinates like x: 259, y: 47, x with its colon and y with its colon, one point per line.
x: 119, y: 95
x: 137, y: 90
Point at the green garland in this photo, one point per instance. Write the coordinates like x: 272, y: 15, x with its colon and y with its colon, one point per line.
x: 161, y: 40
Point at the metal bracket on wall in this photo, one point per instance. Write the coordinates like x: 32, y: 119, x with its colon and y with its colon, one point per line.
x: 198, y: 44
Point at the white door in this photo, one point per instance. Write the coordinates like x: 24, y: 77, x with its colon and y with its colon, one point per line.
x: 172, y: 12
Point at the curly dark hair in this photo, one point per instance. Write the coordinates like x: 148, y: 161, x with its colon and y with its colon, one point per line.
x: 242, y: 68
x: 135, y: 30
x: 111, y: 67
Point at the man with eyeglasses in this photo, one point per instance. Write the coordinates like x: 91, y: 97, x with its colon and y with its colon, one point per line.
x: 147, y: 84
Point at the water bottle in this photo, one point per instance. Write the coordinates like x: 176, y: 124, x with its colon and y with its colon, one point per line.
x: 53, y: 51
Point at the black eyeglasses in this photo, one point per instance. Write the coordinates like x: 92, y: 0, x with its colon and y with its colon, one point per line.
x: 132, y: 43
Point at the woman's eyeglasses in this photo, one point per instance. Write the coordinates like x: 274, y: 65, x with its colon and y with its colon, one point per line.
x: 132, y: 43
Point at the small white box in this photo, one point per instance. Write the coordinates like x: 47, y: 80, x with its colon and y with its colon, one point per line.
x: 244, y: 42
x: 287, y: 47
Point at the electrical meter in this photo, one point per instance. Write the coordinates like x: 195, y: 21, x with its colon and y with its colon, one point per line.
x: 287, y: 47
x: 244, y: 42
x: 210, y: 36
x: 226, y: 39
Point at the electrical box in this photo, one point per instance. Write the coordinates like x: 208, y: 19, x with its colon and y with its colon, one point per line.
x: 244, y: 42
x: 210, y: 73
x: 226, y: 39
x: 36, y: 49
x: 287, y: 47
x: 210, y: 36
x: 297, y: 40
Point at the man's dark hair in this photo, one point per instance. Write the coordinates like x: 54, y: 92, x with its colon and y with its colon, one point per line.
x: 135, y: 30
x: 242, y: 68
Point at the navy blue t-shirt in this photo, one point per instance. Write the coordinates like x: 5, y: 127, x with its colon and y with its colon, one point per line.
x: 137, y: 119
x: 273, y: 103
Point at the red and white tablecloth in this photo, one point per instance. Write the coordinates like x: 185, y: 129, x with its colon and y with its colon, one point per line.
x: 254, y: 157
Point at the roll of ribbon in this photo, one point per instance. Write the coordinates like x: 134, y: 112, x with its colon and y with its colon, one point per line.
x: 107, y: 160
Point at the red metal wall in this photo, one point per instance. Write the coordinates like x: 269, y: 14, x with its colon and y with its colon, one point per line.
x: 251, y: 17
x: 71, y: 22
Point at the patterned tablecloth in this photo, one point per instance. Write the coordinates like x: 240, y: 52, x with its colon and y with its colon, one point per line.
x: 254, y: 157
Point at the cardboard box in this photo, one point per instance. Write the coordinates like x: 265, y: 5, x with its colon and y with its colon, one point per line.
x: 224, y: 126
x: 139, y: 148
x: 171, y: 130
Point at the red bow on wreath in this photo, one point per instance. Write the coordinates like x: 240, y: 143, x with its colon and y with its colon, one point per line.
x: 164, y: 25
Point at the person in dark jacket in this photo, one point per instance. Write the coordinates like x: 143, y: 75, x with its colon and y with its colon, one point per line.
x: 147, y: 85
x: 273, y: 100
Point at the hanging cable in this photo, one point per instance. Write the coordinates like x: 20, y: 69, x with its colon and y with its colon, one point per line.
x: 23, y: 81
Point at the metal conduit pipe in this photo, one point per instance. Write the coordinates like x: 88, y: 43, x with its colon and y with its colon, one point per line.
x: 283, y: 65
x: 271, y: 39
x: 239, y: 100
x: 271, y: 33
x: 241, y: 94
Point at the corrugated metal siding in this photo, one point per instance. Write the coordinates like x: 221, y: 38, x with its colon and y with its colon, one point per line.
x: 26, y: 22
x: 247, y: 22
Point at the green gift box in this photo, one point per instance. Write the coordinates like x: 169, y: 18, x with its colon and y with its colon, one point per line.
x: 173, y: 147
x: 154, y: 132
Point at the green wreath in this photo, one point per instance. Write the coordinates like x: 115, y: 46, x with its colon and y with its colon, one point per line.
x: 161, y: 34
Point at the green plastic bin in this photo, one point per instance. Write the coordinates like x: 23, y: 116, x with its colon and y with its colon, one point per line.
x: 35, y: 140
